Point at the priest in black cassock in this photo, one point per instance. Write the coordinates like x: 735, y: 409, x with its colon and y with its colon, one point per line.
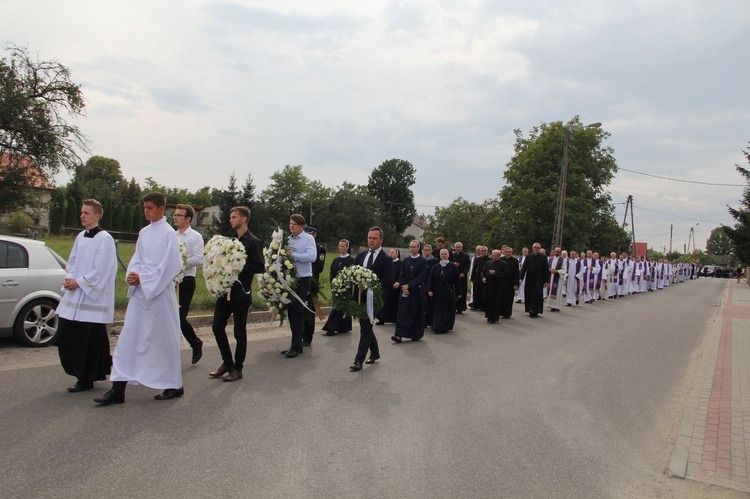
x: 510, y: 283
x: 390, y: 308
x: 462, y: 262
x: 410, y: 319
x: 336, y: 322
x: 536, y: 271
x: 431, y: 262
x: 477, y: 286
x: 441, y: 289
x: 492, y: 276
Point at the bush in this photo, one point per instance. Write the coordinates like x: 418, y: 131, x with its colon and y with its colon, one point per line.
x: 20, y: 222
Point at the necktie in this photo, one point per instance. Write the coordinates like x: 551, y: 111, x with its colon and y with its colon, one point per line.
x: 370, y: 259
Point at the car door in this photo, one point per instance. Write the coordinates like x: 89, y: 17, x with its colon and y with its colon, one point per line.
x: 14, y: 275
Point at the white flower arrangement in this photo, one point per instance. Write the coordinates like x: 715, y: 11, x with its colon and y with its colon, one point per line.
x: 223, y: 260
x: 183, y: 254
x: 347, y: 290
x: 278, y: 283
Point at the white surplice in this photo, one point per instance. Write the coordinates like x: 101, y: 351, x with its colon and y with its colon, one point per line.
x: 148, y: 351
x: 93, y: 264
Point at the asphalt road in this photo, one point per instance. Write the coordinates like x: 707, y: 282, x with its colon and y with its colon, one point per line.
x: 581, y: 403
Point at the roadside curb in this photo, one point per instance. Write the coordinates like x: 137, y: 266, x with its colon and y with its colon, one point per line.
x: 252, y: 318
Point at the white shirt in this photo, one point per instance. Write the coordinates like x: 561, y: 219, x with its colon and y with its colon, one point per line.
x: 194, y: 246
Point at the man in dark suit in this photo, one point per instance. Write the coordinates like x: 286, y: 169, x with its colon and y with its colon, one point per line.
x: 376, y: 260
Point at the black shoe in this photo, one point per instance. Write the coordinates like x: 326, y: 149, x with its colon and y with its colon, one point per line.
x: 568, y: 305
x: 197, y: 354
x: 330, y: 333
x: 81, y: 386
x: 111, y: 397
x: 397, y: 339
x: 306, y: 343
x: 372, y: 359
x: 357, y: 366
x: 221, y: 371
x: 380, y: 323
x: 234, y: 375
x: 170, y: 393
x: 291, y: 353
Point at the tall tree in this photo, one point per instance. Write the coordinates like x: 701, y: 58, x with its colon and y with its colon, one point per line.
x: 528, y: 201
x: 56, y: 213
x: 351, y: 211
x: 718, y: 242
x: 285, y: 195
x: 127, y: 218
x: 740, y: 234
x: 390, y: 183
x: 36, y: 141
x: 462, y: 221
x: 98, y: 178
x: 117, y: 211
x: 72, y: 213
x: 108, y: 216
x: 228, y: 198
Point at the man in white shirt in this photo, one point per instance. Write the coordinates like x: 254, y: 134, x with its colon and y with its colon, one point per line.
x: 193, y: 241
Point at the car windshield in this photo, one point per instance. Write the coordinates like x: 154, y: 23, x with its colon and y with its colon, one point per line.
x: 60, y: 260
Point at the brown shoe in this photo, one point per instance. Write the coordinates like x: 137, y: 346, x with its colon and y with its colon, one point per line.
x: 221, y: 371
x: 234, y: 375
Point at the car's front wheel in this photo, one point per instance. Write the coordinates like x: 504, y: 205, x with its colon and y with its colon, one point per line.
x: 36, y: 324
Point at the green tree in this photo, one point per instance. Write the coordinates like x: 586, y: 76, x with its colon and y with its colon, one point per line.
x: 139, y: 220
x: 72, y: 213
x: 36, y: 141
x: 56, y: 213
x: 718, y: 242
x: 127, y: 218
x: 284, y: 195
x: 99, y: 178
x: 228, y: 198
x: 390, y: 183
x: 740, y: 233
x: 117, y: 211
x: 462, y: 221
x: 128, y: 192
x: 106, y: 221
x: 351, y: 212
x: 528, y: 200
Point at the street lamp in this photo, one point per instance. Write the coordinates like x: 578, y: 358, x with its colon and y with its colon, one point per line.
x: 560, y: 211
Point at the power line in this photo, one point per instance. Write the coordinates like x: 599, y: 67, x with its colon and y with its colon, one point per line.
x: 680, y: 180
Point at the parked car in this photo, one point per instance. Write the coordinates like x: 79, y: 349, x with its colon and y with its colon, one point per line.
x: 31, y: 277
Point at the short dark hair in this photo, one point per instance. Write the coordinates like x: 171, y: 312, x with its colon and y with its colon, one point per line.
x: 156, y: 198
x: 244, y: 211
x: 375, y: 227
x: 440, y: 240
x: 189, y: 211
x: 96, y: 205
x: 298, y: 219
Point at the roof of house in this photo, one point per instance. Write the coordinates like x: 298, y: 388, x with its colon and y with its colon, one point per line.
x: 38, y: 179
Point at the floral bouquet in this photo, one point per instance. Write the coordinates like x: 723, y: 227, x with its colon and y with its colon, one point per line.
x: 347, y: 289
x: 183, y: 255
x: 223, y: 260
x: 278, y: 283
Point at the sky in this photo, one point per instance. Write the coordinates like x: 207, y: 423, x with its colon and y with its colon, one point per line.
x: 187, y: 92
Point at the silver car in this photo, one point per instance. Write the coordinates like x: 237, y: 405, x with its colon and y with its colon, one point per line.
x: 31, y: 277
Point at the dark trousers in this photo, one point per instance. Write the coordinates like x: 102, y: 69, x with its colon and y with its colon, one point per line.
x: 187, y: 290
x: 295, y: 312
x: 367, y: 341
x: 222, y: 310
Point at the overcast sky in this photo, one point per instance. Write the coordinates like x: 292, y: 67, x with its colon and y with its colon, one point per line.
x: 188, y: 91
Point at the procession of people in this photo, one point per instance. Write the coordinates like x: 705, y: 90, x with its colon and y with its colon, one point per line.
x: 423, y: 291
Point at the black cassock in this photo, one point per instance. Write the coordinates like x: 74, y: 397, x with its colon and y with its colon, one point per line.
x: 492, y: 287
x: 477, y: 294
x: 536, y: 270
x: 336, y: 322
x: 507, y: 291
x: 411, y: 313
x: 464, y: 262
x: 442, y: 283
x: 390, y: 297
x: 428, y: 299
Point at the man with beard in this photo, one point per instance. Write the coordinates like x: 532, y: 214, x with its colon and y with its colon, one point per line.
x: 492, y: 277
x: 536, y: 272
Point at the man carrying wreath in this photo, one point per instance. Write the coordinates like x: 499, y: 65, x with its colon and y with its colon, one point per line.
x: 378, y: 262
x: 239, y: 300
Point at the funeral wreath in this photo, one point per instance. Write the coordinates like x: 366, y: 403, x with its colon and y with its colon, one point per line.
x: 357, y: 292
x: 223, y: 260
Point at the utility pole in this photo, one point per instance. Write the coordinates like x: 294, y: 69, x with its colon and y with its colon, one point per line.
x: 671, y: 228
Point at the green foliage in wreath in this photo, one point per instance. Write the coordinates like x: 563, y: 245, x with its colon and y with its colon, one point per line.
x: 349, y: 290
